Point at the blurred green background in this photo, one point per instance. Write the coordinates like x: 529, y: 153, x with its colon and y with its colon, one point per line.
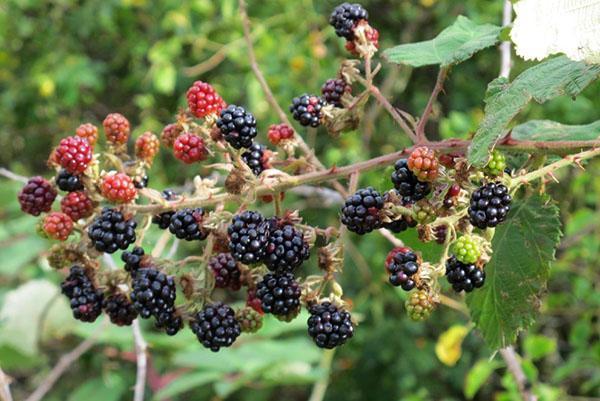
x: 65, y: 62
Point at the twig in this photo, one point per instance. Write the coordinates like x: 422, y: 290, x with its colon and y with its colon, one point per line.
x: 5, y: 394
x: 514, y: 367
x: 320, y: 387
x: 390, y: 237
x: 64, y: 363
x: 12, y: 176
x: 142, y: 361
x: 439, y: 85
x: 505, y: 55
x: 173, y: 249
x: 393, y: 112
x: 453, y: 304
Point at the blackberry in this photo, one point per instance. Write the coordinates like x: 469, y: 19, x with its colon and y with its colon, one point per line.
x: 164, y: 219
x: 153, y: 294
x: 68, y: 182
x: 328, y: 325
x: 140, y: 181
x: 226, y: 271
x: 279, y: 294
x: 133, y: 259
x: 419, y: 305
x: 286, y: 249
x: 466, y: 249
x: 463, y: 277
x: 256, y: 158
x: 402, y: 264
x: 401, y: 224
x: 440, y: 233
x: 496, y: 165
x: 306, y: 109
x: 111, y: 231
x: 170, y: 322
x: 85, y: 298
x: 238, y: 126
x: 250, y: 320
x: 344, y: 18
x: 407, y: 184
x: 248, y: 236
x: 119, y: 309
x: 333, y: 90
x: 489, y: 205
x: 360, y: 213
x: 216, y: 326
x: 186, y: 224
x: 36, y: 196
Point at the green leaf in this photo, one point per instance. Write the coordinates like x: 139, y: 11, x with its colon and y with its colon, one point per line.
x: 517, y: 273
x: 187, y: 382
x: 545, y: 130
x: 538, y: 346
x: 164, y: 77
x: 110, y: 388
x: 453, y: 45
x: 545, y: 81
x: 478, y: 375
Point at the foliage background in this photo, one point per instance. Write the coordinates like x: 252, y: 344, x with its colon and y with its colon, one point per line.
x: 64, y: 62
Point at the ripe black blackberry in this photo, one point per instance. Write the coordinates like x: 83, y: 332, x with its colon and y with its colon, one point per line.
x: 402, y: 264
x: 360, y: 213
x: 169, y: 321
x: 328, y: 325
x: 345, y: 17
x: 306, y: 109
x: 111, y: 231
x: 68, y: 182
x: 140, y: 181
x: 490, y: 205
x: 216, y: 326
x: 248, y: 236
x: 226, y: 271
x: 153, y: 293
x: 333, y: 90
x: 119, y: 309
x: 286, y: 249
x: 279, y: 294
x: 186, y: 224
x: 401, y: 224
x: 463, y: 277
x: 406, y: 183
x: 84, y: 297
x: 238, y: 126
x: 255, y: 158
x: 164, y: 219
x: 133, y: 259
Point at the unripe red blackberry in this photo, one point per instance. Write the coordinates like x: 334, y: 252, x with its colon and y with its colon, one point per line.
x: 204, y: 100
x: 345, y: 17
x: 360, y: 213
x: 306, y: 109
x: 257, y: 158
x: 406, y: 183
x: 187, y: 224
x: 118, y: 188
x: 248, y: 236
x: 77, y: 205
x: 189, y: 148
x: 333, y: 90
x: 116, y: 129
x: 216, y: 326
x: 111, y: 231
x: 238, y: 126
x: 254, y: 302
x: 423, y: 163
x: 85, y: 299
x: 68, y: 182
x: 163, y: 220
x: 279, y: 294
x: 286, y: 249
x: 146, y: 147
x: 36, y: 196
x: 419, y: 305
x: 489, y: 205
x: 74, y: 154
x: 249, y: 319
x: 88, y: 131
x: 169, y: 134
x: 328, y: 325
x: 402, y: 265
x: 226, y: 271
x: 463, y: 277
x: 279, y: 133
x: 119, y: 309
x: 57, y: 225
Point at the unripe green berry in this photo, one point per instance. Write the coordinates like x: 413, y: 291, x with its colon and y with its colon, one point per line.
x: 496, y: 164
x: 249, y: 319
x: 424, y: 212
x: 419, y: 305
x: 466, y: 249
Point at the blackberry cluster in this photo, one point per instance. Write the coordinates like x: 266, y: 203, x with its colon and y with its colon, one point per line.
x: 279, y: 294
x: 402, y: 264
x: 112, y: 231
x: 186, y: 224
x: 333, y: 90
x: 248, y: 236
x: 360, y: 213
x: 84, y: 297
x: 216, y: 326
x: 119, y: 309
x: 463, y: 277
x: 306, y: 109
x: 164, y: 219
x: 37, y: 196
x: 286, y: 249
x: 133, y: 259
x: 68, y: 182
x: 238, y: 126
x: 226, y: 271
x: 490, y: 205
x: 406, y: 183
x: 345, y: 17
x: 328, y: 325
x: 254, y: 158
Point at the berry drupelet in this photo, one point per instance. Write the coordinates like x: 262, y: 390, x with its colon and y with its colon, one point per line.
x: 463, y: 277
x: 248, y: 236
x: 328, y: 325
x: 402, y: 264
x: 112, y: 231
x: 186, y: 224
x: 226, y: 271
x: 406, y: 183
x: 306, y: 109
x: 119, y: 309
x: 68, y: 182
x: 164, y: 219
x: 286, y: 249
x: 279, y: 294
x: 490, y: 205
x: 238, y: 126
x: 85, y: 298
x: 256, y: 158
x: 345, y: 17
x: 333, y: 90
x: 216, y: 326
x: 36, y: 196
x: 360, y: 213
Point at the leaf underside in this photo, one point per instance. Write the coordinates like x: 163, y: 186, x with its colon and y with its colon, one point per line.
x: 546, y: 130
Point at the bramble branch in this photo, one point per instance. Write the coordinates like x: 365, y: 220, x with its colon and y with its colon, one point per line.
x: 439, y: 86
